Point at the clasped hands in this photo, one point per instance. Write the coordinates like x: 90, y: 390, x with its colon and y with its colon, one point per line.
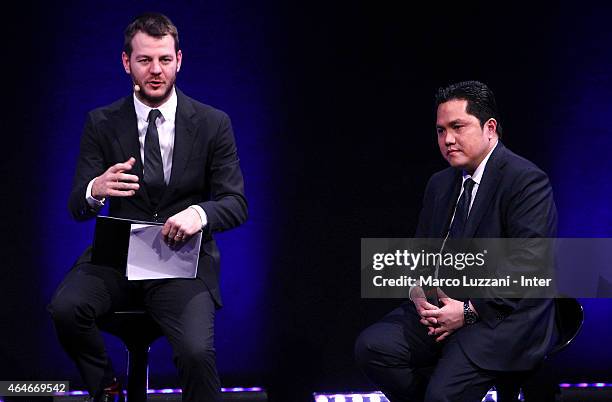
x: 440, y: 321
x: 116, y: 183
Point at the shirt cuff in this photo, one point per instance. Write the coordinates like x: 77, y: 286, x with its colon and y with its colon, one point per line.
x: 93, y: 202
x: 202, y: 214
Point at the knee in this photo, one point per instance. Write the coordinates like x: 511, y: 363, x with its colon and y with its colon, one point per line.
x: 368, y: 348
x: 60, y: 309
x: 67, y: 310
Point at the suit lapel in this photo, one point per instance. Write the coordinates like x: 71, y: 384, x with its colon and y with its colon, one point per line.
x: 127, y: 136
x: 184, y: 135
x: 486, y: 190
x: 446, y: 204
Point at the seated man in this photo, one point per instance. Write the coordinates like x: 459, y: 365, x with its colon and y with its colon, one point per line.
x: 458, y: 351
x: 155, y: 155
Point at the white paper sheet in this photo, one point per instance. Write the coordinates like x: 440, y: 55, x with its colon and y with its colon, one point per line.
x: 149, y: 257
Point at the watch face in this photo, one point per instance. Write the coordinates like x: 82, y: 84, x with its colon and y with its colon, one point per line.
x: 470, y: 319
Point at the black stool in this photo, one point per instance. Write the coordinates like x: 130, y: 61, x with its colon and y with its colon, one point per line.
x: 569, y: 317
x: 138, y: 331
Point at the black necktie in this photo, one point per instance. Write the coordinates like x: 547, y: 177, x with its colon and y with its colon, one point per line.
x: 153, y: 165
x: 456, y: 231
x: 463, y: 209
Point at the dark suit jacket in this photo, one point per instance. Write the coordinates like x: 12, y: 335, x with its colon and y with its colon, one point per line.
x: 514, y: 200
x: 205, y: 171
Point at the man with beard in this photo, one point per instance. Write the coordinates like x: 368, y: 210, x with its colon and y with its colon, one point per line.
x: 156, y: 155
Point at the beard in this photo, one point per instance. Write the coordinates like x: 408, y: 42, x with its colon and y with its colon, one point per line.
x: 154, y: 100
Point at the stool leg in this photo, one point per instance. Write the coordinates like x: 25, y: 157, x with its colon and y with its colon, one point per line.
x: 138, y: 373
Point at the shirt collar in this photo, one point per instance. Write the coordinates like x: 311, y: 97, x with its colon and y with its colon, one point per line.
x: 477, y: 176
x: 167, y: 109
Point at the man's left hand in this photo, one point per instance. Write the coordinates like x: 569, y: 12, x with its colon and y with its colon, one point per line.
x: 449, y: 318
x: 180, y: 227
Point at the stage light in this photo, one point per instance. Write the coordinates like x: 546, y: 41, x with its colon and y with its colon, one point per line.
x: 374, y: 398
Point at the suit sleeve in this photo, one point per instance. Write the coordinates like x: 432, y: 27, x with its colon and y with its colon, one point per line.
x: 530, y: 214
x: 90, y: 164
x: 424, y: 232
x: 425, y: 216
x: 227, y: 207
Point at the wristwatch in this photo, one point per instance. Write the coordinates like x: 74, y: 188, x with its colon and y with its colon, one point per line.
x: 469, y: 316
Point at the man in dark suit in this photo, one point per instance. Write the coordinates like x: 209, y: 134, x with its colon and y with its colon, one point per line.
x: 156, y: 155
x: 455, y: 350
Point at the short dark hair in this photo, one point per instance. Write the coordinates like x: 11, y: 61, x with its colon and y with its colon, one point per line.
x: 153, y: 24
x: 480, y: 100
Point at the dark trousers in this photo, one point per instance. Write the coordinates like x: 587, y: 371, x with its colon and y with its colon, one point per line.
x: 408, y: 365
x: 183, y: 308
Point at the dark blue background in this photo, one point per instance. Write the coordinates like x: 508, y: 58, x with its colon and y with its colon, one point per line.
x: 332, y: 109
